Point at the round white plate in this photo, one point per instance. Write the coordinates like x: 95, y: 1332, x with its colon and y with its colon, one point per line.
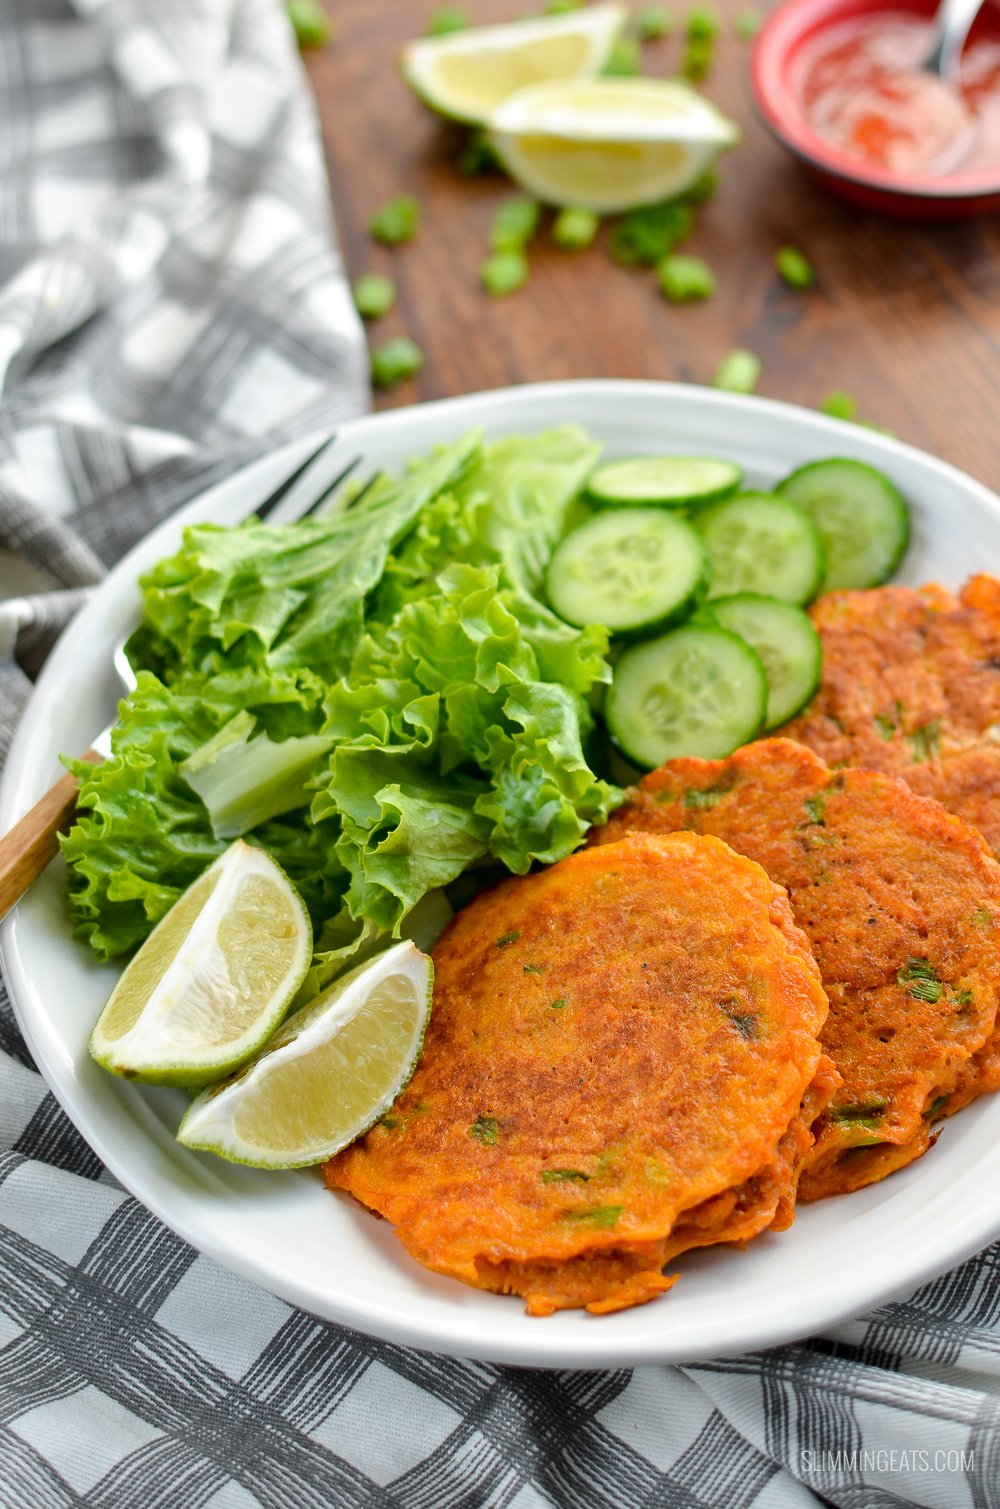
x: 322, y: 1251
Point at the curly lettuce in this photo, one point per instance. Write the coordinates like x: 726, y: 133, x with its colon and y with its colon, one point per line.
x: 380, y: 697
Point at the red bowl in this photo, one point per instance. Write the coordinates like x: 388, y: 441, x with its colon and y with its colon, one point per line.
x: 776, y: 53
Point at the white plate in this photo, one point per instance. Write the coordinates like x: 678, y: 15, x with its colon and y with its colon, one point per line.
x: 323, y: 1252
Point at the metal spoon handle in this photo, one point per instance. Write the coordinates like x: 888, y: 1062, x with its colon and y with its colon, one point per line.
x: 951, y: 27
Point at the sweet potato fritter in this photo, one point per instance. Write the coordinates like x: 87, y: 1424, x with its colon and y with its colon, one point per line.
x: 621, y: 1063
x: 901, y: 903
x: 911, y: 685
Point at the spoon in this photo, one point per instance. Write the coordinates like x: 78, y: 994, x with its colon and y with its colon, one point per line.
x: 951, y: 27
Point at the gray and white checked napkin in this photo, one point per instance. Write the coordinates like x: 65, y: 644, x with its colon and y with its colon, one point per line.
x: 170, y: 304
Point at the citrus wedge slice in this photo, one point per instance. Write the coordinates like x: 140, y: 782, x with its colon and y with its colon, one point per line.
x: 608, y: 144
x: 213, y: 979
x: 468, y: 74
x: 327, y: 1075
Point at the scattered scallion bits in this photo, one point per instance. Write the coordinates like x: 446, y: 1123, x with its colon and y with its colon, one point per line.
x: 448, y: 19
x: 654, y: 23
x: 685, y: 280
x: 310, y: 22
x: 574, y: 230
x: 503, y: 273
x: 624, y: 60
x: 514, y: 224
x: 397, y: 221
x: 794, y: 267
x: 374, y: 295
x: 396, y: 360
x: 839, y: 405
x: 747, y: 23
x: 738, y: 372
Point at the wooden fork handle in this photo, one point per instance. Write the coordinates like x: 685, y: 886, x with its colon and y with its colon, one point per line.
x: 33, y: 842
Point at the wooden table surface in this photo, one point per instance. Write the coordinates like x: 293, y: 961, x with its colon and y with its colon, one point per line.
x: 905, y: 316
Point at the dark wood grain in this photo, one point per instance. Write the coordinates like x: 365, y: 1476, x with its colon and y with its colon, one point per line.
x: 906, y: 316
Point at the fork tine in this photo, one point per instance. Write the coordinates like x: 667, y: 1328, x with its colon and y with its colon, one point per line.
x: 318, y: 505
x: 263, y: 510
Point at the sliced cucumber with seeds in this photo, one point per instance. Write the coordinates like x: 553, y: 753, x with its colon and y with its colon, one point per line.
x: 697, y: 690
x: 633, y: 570
x: 760, y: 543
x: 863, y: 518
x: 670, y: 480
x: 790, y: 650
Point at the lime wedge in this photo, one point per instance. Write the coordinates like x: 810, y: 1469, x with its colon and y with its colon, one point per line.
x: 608, y: 144
x: 468, y: 74
x: 327, y: 1075
x: 214, y: 978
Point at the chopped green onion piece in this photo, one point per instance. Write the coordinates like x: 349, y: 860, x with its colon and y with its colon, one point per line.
x: 394, y: 361
x: 648, y: 234
x: 747, y: 23
x: 560, y: 7
x: 441, y: 23
x: 697, y: 60
x: 685, y: 279
x: 573, y: 230
x: 310, y: 22
x: 374, y: 295
x: 624, y: 60
x: 653, y: 23
x: 477, y: 156
x: 839, y: 405
x: 794, y: 267
x: 738, y: 372
x: 397, y: 221
x: 702, y: 24
x: 514, y: 224
x: 504, y: 272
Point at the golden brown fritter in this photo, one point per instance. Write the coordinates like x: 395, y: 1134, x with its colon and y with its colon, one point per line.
x: 901, y: 903
x: 911, y: 685
x: 621, y: 1063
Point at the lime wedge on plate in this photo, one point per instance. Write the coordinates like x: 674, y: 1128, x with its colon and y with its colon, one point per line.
x: 214, y: 978
x: 608, y: 144
x: 327, y: 1075
x: 466, y: 75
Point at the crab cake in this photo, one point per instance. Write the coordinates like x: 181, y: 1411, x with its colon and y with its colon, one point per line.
x: 911, y: 685
x: 901, y: 903
x: 621, y: 1063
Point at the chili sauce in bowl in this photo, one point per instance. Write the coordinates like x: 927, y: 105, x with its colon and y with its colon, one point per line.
x: 841, y: 83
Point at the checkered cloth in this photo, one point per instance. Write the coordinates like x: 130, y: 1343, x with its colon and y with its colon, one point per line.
x: 173, y: 305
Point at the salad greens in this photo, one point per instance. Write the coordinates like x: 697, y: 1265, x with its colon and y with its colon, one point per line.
x: 379, y: 697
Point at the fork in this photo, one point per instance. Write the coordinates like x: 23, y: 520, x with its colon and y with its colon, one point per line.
x: 33, y: 841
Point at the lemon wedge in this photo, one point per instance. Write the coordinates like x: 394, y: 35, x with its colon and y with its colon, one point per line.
x: 327, y: 1075
x: 213, y: 979
x: 608, y: 144
x: 467, y: 74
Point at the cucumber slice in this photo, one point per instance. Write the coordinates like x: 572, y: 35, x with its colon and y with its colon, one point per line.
x: 760, y: 543
x: 698, y: 690
x: 863, y: 518
x: 671, y: 480
x: 632, y: 570
x: 790, y: 650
